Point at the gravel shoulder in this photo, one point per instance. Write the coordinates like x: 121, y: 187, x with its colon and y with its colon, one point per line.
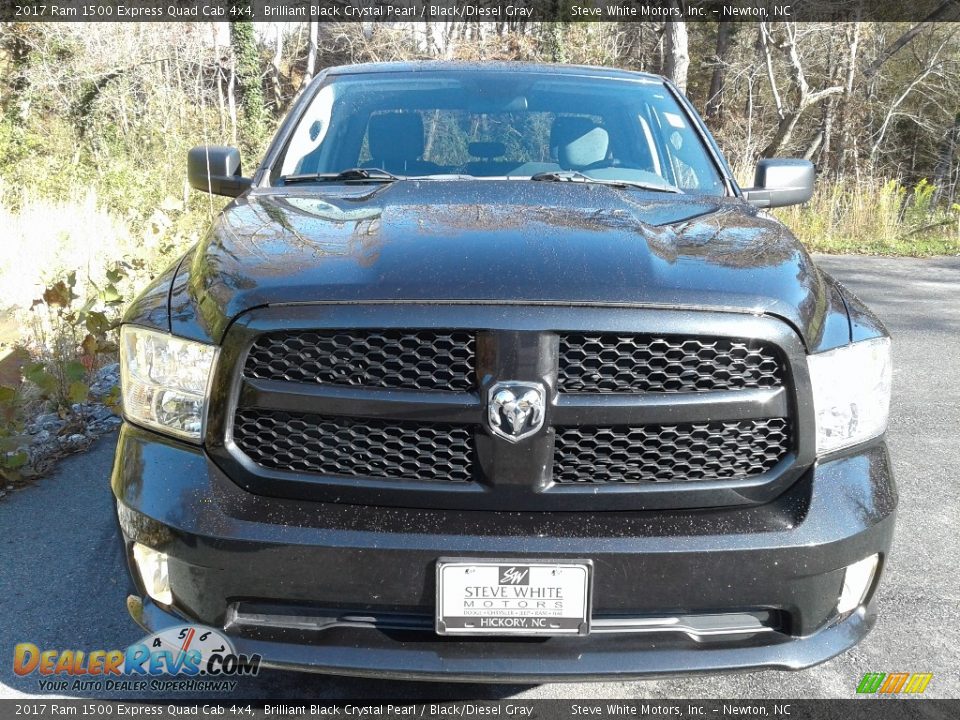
x: 63, y: 584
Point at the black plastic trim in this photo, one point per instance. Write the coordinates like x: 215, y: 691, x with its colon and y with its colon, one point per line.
x: 662, y: 408
x: 368, y: 402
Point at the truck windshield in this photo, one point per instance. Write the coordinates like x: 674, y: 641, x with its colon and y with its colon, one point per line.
x: 514, y: 124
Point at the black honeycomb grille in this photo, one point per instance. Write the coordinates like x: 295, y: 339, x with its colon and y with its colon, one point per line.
x: 355, y: 448
x: 623, y: 363
x: 669, y: 453
x: 412, y: 359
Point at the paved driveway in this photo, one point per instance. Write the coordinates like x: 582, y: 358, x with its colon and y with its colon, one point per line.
x: 62, y: 584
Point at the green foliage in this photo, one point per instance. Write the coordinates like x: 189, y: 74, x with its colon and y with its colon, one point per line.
x: 919, y: 210
x: 38, y: 375
x: 74, y: 339
x: 557, y: 43
x: 11, y: 414
x: 249, y: 67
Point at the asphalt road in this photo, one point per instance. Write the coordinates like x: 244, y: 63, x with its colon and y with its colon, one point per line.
x: 62, y: 584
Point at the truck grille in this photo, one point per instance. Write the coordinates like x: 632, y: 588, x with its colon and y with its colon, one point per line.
x: 634, y: 418
x: 667, y: 453
x: 351, y: 448
x: 611, y: 363
x: 436, y: 360
x: 412, y: 359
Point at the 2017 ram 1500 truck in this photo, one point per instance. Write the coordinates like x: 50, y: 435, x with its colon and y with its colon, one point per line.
x: 493, y: 372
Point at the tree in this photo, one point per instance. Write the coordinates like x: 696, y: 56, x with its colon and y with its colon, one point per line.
x: 247, y: 62
x: 311, y: 54
x: 676, y: 61
x: 718, y: 77
x: 942, y: 12
x: 806, y: 97
x: 946, y: 168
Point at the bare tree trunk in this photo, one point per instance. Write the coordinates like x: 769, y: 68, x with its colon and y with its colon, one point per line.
x: 955, y: 188
x: 311, y: 55
x: 640, y: 48
x: 819, y: 149
x: 275, y: 77
x: 849, y: 136
x: 220, y: 101
x: 826, y: 134
x: 450, y: 33
x: 763, y: 44
x: 715, y: 99
x: 232, y: 103
x: 814, y: 145
x: 181, y: 110
x: 945, y: 161
x: 748, y: 145
x: 676, y: 53
x: 438, y: 39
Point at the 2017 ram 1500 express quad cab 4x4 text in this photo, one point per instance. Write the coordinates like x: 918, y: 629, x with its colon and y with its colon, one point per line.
x: 493, y: 372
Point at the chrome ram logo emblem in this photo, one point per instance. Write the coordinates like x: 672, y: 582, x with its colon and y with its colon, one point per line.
x: 515, y: 409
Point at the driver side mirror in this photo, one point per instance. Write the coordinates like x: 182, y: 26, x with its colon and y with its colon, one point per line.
x: 780, y: 182
x: 216, y: 169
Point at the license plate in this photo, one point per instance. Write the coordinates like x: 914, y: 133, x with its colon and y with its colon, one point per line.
x: 513, y: 597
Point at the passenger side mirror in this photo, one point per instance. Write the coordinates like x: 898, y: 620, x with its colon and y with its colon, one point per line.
x: 216, y: 169
x: 779, y: 182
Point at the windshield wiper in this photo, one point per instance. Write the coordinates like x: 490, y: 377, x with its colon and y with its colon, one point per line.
x: 378, y: 175
x: 577, y: 176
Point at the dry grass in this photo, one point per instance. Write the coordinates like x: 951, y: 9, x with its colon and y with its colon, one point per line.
x: 46, y: 239
x: 50, y: 240
x: 875, y: 217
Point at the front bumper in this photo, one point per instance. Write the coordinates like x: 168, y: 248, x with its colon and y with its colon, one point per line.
x: 232, y: 552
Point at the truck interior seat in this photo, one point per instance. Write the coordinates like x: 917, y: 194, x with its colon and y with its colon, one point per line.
x: 580, y: 142
x: 396, y: 144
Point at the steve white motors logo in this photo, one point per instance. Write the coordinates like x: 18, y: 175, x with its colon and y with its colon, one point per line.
x: 514, y: 575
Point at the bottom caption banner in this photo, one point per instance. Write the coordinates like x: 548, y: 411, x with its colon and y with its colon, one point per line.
x: 862, y: 708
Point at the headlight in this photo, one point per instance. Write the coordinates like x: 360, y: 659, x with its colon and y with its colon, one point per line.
x: 164, y: 381
x: 851, y: 393
x: 155, y: 572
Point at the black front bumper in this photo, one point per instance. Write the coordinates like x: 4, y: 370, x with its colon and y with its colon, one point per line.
x: 229, y: 549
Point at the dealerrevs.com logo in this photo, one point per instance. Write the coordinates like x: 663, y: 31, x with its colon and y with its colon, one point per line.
x: 183, y: 658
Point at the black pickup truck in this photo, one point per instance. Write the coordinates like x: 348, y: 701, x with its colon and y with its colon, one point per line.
x: 493, y: 372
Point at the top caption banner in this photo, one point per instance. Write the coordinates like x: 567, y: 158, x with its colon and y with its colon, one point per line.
x: 503, y: 11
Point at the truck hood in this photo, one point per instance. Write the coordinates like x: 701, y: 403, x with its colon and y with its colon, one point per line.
x: 496, y: 241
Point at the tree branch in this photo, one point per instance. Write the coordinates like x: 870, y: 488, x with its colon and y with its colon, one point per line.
x: 942, y: 10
